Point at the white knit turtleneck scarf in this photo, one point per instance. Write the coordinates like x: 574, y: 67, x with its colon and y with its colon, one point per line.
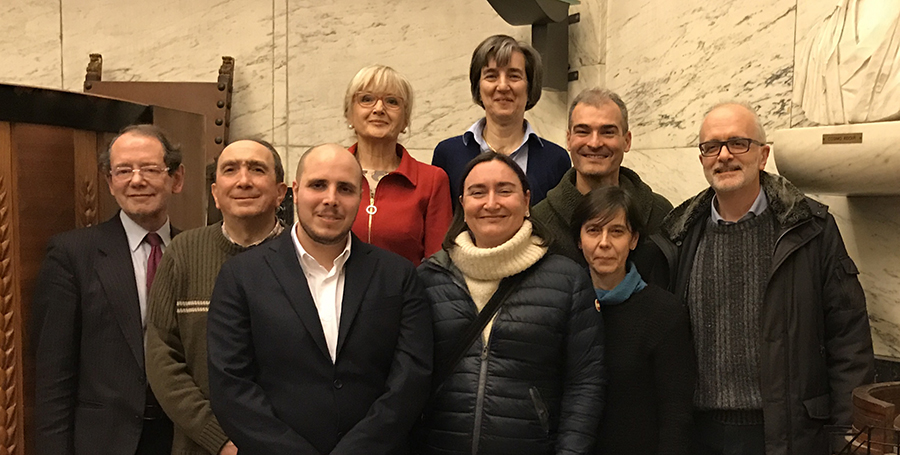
x: 483, y: 268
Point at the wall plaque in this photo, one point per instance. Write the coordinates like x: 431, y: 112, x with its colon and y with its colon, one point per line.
x: 842, y: 138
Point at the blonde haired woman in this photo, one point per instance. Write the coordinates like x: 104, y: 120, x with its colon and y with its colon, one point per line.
x: 406, y: 204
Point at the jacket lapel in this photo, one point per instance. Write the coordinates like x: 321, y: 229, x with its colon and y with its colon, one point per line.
x: 286, y: 267
x: 115, y: 271
x: 358, y: 272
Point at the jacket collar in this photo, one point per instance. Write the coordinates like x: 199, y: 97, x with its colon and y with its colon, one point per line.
x: 407, y: 168
x: 565, y: 196
x: 115, y: 271
x: 788, y: 203
x: 476, y: 133
x: 359, y: 269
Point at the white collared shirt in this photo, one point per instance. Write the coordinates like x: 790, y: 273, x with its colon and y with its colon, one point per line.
x: 140, y: 253
x: 326, y: 287
x: 520, y: 156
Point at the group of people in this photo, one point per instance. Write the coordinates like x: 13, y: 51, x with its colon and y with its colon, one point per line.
x: 501, y: 300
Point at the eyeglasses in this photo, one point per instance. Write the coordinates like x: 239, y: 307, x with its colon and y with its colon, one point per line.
x: 736, y: 146
x: 124, y: 174
x: 391, y: 102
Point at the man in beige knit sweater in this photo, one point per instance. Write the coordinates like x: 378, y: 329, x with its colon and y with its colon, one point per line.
x: 249, y: 186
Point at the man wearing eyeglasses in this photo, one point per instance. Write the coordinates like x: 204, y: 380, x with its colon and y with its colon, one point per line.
x: 778, y: 316
x: 91, y: 393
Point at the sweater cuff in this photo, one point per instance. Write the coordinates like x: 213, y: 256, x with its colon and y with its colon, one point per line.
x: 212, y: 438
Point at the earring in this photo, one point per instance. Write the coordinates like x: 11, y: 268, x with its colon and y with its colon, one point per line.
x: 527, y: 213
x: 404, y: 130
x: 349, y: 126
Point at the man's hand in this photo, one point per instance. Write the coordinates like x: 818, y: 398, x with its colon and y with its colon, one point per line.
x: 229, y: 449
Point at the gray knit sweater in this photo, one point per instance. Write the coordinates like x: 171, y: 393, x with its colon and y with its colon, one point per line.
x: 725, y: 297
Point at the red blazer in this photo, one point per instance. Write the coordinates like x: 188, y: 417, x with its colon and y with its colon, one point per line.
x: 412, y: 209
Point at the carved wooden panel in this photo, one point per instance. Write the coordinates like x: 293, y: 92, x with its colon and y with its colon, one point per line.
x: 11, y: 396
x: 88, y: 182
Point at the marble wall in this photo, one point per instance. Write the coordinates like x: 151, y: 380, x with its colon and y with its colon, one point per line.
x: 669, y: 60
x: 293, y: 58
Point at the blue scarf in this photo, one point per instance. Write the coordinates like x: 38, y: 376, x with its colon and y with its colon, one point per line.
x: 631, y: 284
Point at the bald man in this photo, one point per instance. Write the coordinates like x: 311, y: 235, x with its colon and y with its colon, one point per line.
x: 318, y: 342
x: 249, y: 186
x: 778, y: 315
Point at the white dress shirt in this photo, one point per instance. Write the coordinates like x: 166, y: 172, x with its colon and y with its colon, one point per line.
x: 140, y: 252
x: 326, y: 287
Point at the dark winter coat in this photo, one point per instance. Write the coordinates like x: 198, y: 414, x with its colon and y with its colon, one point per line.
x: 556, y: 212
x: 538, y: 386
x: 815, y: 344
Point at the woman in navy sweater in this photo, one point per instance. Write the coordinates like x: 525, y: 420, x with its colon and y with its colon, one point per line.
x: 505, y: 77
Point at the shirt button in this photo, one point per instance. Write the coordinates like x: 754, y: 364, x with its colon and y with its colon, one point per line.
x: 338, y: 384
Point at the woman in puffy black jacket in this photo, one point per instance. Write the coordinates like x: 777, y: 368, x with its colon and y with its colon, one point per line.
x: 532, y: 380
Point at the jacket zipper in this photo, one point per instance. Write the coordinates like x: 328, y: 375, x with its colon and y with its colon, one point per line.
x: 479, y: 400
x: 371, y: 214
x: 787, y: 360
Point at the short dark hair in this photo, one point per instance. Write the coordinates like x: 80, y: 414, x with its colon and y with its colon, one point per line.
x: 604, y: 203
x: 596, y: 97
x: 279, y: 167
x: 458, y: 225
x: 171, y: 151
x: 500, y: 48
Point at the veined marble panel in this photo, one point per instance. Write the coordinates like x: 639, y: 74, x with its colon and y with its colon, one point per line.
x: 30, y: 41
x: 672, y: 61
x: 869, y: 226
x: 588, y: 77
x: 178, y: 41
x: 672, y: 172
x: 549, y: 117
x: 431, y: 43
x: 279, y: 74
x: 587, y: 38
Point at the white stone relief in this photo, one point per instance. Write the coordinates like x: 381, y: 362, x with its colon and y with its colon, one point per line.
x: 848, y: 68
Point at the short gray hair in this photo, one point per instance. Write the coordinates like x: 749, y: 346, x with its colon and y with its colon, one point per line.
x: 761, y: 132
x: 596, y: 97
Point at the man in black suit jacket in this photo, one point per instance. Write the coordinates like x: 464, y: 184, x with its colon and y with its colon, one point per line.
x: 91, y: 394
x: 318, y: 342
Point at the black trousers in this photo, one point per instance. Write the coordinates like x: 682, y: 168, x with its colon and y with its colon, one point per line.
x: 717, y: 438
x: 157, y: 432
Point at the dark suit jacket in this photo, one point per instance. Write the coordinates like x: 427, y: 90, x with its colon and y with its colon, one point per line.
x: 90, y: 386
x: 272, y: 383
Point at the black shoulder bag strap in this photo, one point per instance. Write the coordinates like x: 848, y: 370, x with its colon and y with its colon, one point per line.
x: 506, y: 287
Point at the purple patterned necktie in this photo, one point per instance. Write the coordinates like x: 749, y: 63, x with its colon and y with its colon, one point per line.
x: 155, y: 242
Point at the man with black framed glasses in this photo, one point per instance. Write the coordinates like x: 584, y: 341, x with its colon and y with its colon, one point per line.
x: 777, y: 313
x: 91, y: 392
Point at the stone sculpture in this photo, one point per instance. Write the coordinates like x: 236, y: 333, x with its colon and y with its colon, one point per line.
x: 848, y: 67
